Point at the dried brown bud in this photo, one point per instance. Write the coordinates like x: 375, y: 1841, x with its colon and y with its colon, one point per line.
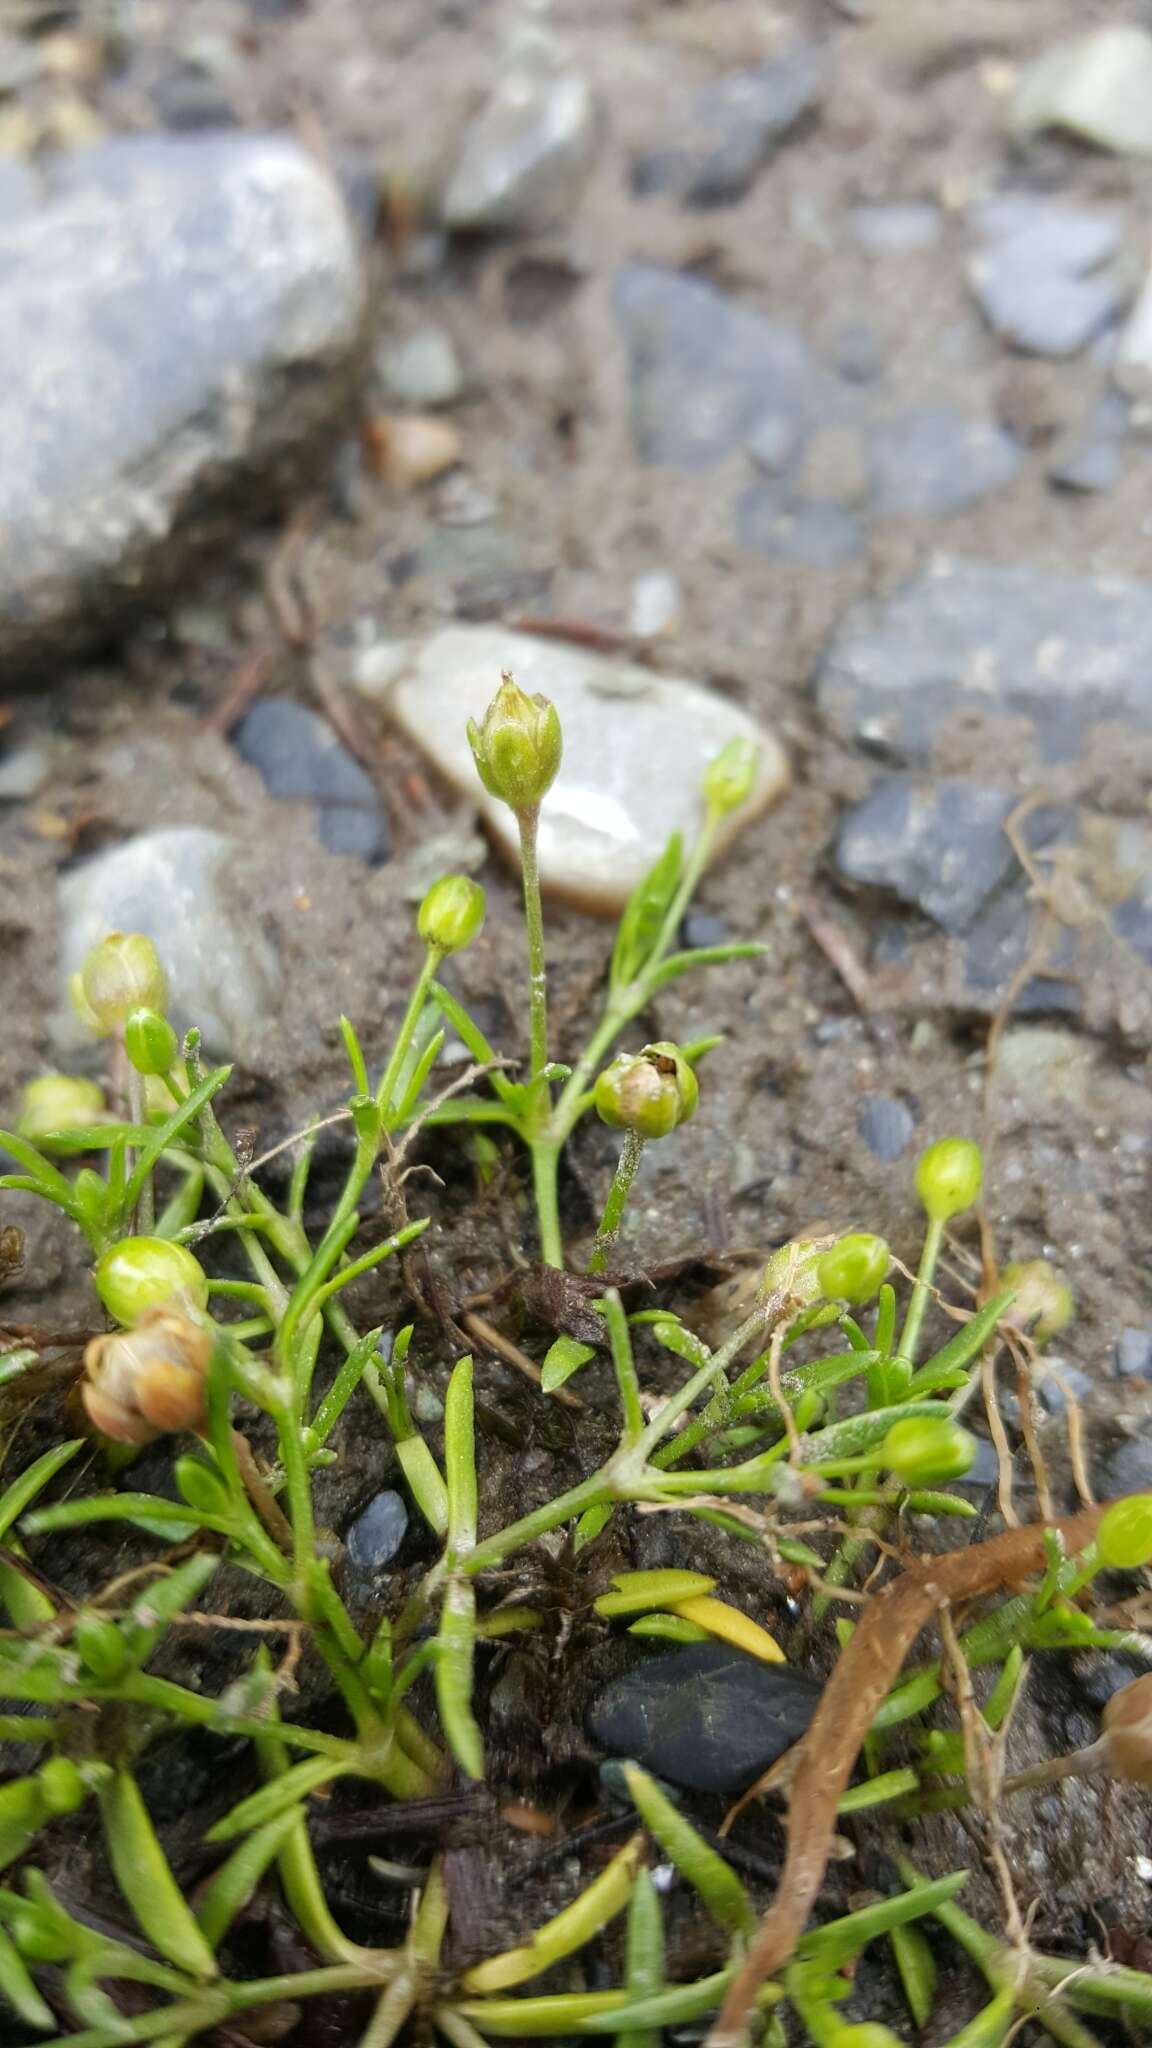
x: 145, y: 1381
x: 1128, y: 1732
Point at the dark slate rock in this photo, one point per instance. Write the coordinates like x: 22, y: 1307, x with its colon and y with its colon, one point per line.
x: 299, y: 756
x: 706, y: 371
x: 816, y: 533
x: 886, y: 1125
x: 707, y: 1718
x: 179, y: 325
x: 1132, y: 1354
x: 1039, y: 279
x: 932, y: 461
x: 733, y: 127
x: 996, y: 946
x: 971, y: 637
x: 937, y: 845
x: 376, y: 1535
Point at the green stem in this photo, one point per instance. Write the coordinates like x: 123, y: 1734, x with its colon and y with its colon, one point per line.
x: 388, y: 1079
x: 145, y: 1217
x: 625, y: 1365
x: 528, y: 821
x: 540, y: 1522
x: 545, y: 1167
x: 917, y: 1307
x: 631, y: 1154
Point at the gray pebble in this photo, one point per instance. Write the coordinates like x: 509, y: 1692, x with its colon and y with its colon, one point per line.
x: 1132, y: 1354
x: 423, y: 370
x: 898, y: 227
x: 1053, y: 1395
x: 706, y: 371
x: 886, y: 1125
x: 932, y: 461
x: 1128, y: 1468
x: 704, y: 928
x: 812, y: 532
x: 376, y: 1535
x: 523, y: 159
x: 732, y: 128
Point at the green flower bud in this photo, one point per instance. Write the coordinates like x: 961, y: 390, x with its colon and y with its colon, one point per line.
x: 150, y: 1042
x: 917, y: 1450
x: 517, y: 746
x: 1124, y: 1538
x: 121, y: 974
x: 1043, y: 1298
x: 452, y: 914
x: 60, y: 1102
x: 949, y: 1177
x: 855, y: 1268
x: 796, y: 1266
x: 648, y: 1092
x: 145, y: 1272
x: 62, y: 1786
x: 729, y: 778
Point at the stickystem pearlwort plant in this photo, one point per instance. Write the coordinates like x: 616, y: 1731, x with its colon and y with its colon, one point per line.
x: 824, y: 1440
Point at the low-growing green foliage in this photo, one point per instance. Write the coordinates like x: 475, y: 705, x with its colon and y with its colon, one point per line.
x: 799, y: 1415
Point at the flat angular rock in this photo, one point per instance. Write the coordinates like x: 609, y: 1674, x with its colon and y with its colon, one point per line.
x: 972, y: 637
x: 636, y: 745
x: 933, y: 461
x: 936, y: 845
x: 1096, y: 86
x: 523, y: 158
x: 708, y: 1718
x: 733, y: 127
x: 706, y: 371
x: 176, y: 887
x: 1040, y: 279
x: 179, y: 323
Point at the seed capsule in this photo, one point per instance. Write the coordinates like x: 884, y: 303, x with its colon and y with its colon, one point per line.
x: 146, y: 1381
x: 949, y: 1176
x: 1128, y: 1729
x: 648, y: 1092
x: 452, y: 913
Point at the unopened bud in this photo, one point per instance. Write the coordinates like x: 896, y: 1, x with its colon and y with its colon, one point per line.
x: 143, y: 1382
x: 517, y: 746
x: 149, y: 1041
x: 729, y: 777
x: 60, y: 1102
x: 121, y: 974
x: 1124, y: 1538
x: 1128, y: 1732
x: 921, y: 1451
x: 949, y: 1176
x: 648, y: 1092
x: 452, y: 914
x: 1043, y: 1298
x: 855, y: 1268
x: 141, y: 1273
x: 795, y: 1269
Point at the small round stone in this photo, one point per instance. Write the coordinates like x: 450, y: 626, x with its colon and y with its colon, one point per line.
x: 376, y: 1534
x: 886, y: 1125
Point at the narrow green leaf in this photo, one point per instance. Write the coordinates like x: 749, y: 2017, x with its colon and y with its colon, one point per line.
x: 484, y: 1054
x: 563, y: 1358
x: 969, y: 1341
x: 164, y: 1134
x: 145, y: 1879
x: 839, y: 1940
x: 698, y: 1863
x: 644, y: 914
x: 273, y: 1799
x: 17, y: 1988
x: 356, y: 1058
x: 17, y: 1496
x: 147, y: 1510
x: 917, y: 1967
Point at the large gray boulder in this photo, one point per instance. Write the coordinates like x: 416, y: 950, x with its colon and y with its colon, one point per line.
x: 180, y: 320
